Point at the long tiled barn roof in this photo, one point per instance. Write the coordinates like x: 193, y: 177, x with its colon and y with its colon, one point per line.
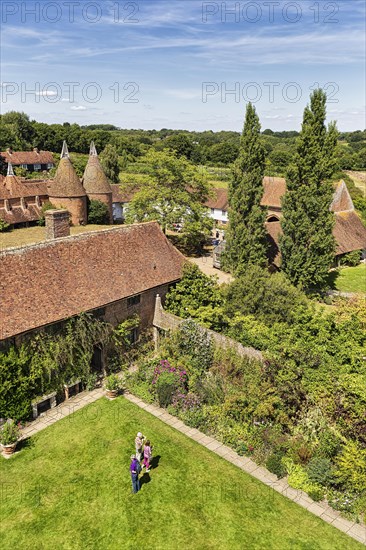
x: 28, y: 157
x: 44, y: 283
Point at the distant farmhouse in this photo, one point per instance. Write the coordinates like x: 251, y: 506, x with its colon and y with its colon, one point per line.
x: 32, y: 161
x: 349, y: 231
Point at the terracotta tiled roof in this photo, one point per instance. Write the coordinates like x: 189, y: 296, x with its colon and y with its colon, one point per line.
x: 14, y: 187
x: 274, y: 189
x: 94, y: 180
x: 19, y: 215
x: 28, y: 157
x: 349, y: 232
x: 66, y: 182
x: 342, y: 201
x: 219, y: 201
x: 121, y: 196
x: 44, y: 283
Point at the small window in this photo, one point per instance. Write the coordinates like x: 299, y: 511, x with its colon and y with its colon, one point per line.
x: 37, y: 167
x: 24, y: 166
x: 49, y: 166
x: 134, y: 300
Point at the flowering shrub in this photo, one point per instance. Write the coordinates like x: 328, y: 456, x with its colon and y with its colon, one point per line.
x: 164, y: 366
x: 341, y: 500
x: 186, y: 402
x: 168, y: 380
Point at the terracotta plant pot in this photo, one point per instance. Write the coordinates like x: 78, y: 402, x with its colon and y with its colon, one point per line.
x: 111, y: 394
x: 9, y: 449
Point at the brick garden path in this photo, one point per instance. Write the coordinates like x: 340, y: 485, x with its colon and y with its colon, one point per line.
x: 319, y: 509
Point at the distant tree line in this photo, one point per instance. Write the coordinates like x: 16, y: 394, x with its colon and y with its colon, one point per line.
x: 208, y: 147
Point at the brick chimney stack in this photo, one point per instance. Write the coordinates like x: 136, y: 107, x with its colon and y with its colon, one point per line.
x: 57, y: 224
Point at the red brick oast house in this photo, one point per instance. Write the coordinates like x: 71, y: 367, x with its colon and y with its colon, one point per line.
x: 21, y: 200
x: 114, y: 273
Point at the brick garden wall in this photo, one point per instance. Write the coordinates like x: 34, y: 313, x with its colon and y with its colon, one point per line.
x: 167, y: 321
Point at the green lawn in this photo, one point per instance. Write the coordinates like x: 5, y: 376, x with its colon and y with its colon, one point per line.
x: 69, y: 488
x: 351, y: 279
x: 30, y: 235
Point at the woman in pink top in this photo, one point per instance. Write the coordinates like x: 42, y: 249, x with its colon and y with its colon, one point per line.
x: 147, y: 455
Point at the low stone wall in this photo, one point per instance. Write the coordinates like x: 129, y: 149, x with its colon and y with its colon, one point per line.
x: 167, y: 321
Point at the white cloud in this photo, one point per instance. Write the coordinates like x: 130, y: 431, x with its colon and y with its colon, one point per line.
x: 78, y: 108
x: 47, y: 93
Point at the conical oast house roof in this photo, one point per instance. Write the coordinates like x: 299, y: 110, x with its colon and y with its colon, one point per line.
x: 13, y: 187
x: 66, y: 182
x: 94, y: 180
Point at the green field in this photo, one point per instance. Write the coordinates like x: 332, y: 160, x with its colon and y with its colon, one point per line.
x: 69, y: 488
x: 217, y: 176
x: 359, y: 179
x: 351, y: 279
x: 30, y: 235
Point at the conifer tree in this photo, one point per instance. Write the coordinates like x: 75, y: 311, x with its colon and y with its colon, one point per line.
x: 246, y: 242
x: 307, y: 244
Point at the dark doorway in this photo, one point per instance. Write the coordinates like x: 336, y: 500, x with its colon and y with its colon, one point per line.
x: 97, y: 360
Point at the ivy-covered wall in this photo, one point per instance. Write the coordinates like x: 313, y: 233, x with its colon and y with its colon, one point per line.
x: 46, y: 360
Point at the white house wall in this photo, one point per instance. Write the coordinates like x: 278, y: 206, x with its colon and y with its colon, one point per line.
x: 220, y: 216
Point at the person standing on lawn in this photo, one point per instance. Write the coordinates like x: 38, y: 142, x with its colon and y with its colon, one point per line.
x: 135, y: 469
x: 139, y: 441
x: 147, y: 455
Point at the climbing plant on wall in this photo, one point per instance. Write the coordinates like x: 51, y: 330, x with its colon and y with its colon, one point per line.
x: 47, y: 360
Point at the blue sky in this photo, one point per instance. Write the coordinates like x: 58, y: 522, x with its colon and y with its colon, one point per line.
x: 157, y: 63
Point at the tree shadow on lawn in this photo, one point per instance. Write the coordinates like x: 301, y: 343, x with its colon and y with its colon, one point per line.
x: 332, y: 278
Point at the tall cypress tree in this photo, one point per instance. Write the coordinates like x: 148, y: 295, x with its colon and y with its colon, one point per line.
x: 307, y: 244
x: 246, y: 242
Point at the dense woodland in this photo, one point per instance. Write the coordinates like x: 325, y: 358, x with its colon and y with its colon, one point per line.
x: 210, y: 148
x: 125, y: 150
